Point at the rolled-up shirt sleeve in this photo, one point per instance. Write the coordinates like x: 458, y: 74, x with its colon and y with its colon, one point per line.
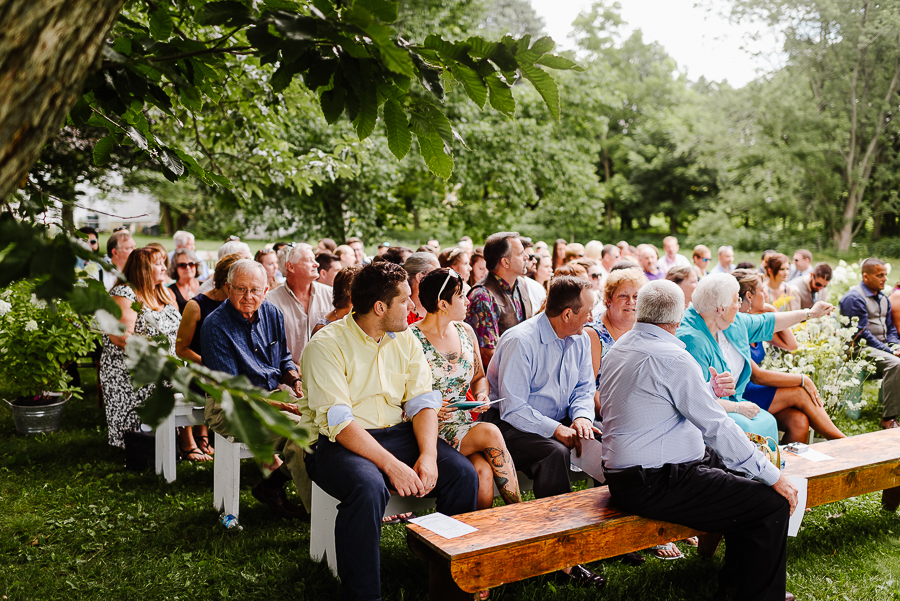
x: 325, y: 389
x: 514, y: 376
x: 419, y: 394
x: 695, y: 402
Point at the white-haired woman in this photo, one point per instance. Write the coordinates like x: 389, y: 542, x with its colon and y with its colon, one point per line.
x: 718, y: 336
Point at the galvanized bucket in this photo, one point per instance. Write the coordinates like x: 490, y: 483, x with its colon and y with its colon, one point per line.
x: 37, y: 419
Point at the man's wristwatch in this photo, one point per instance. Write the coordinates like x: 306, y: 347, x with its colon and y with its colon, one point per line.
x: 293, y: 382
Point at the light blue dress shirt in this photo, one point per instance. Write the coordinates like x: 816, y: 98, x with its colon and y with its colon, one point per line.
x: 657, y: 409
x: 543, y: 377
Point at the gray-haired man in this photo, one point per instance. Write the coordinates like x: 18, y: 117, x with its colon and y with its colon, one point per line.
x: 671, y: 453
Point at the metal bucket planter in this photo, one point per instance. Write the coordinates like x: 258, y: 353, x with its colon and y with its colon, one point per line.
x: 39, y: 418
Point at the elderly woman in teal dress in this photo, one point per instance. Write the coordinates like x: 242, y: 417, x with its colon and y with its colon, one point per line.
x: 719, y: 337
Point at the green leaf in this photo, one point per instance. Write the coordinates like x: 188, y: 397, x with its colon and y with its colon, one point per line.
x: 440, y: 123
x: 332, y: 102
x: 429, y: 76
x: 228, y: 13
x: 544, y: 45
x: 480, y: 48
x: 161, y: 25
x: 122, y: 45
x: 394, y: 57
x: 397, y: 127
x: 432, y: 148
x: 368, y: 112
x: 221, y: 180
x: 545, y: 85
x: 325, y: 7
x: 282, y: 77
x: 137, y: 137
x: 171, y: 161
x: 240, y: 418
x: 436, y: 42
x: 158, y: 406
x: 472, y: 83
x: 558, y: 62
x: 383, y: 9
x: 501, y: 96
x: 191, y: 98
x: 102, y: 150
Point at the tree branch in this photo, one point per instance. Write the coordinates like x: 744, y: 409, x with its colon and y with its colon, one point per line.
x: 212, y: 161
x: 214, y: 50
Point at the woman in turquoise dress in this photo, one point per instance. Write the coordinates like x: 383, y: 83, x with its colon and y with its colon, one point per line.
x: 719, y: 337
x: 450, y: 347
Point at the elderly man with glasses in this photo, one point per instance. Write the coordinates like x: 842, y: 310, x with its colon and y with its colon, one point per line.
x: 246, y: 336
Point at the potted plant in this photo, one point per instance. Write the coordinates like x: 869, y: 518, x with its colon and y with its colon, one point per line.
x: 38, y: 342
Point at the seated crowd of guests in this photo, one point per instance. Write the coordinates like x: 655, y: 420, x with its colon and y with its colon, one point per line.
x: 550, y: 346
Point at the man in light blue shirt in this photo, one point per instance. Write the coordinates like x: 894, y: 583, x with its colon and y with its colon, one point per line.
x: 542, y: 368
x: 671, y: 452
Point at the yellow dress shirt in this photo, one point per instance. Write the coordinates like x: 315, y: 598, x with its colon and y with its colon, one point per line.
x: 347, y: 375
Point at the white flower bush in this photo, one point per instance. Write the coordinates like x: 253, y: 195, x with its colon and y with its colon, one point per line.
x: 824, y: 356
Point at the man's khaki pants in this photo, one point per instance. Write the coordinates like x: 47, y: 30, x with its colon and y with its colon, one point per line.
x: 291, y: 453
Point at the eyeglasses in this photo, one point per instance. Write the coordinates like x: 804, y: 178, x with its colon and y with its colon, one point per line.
x: 243, y: 291
x: 232, y: 239
x: 121, y: 228
x: 704, y: 260
x: 450, y: 273
x: 93, y: 242
x: 186, y: 265
x: 268, y: 251
x: 595, y: 276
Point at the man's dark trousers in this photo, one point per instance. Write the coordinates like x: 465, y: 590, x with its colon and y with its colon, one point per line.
x: 544, y: 460
x: 706, y: 496
x: 363, y: 491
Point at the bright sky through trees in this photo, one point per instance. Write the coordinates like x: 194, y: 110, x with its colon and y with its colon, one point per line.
x: 700, y: 40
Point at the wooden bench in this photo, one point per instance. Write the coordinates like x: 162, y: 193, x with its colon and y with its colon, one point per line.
x: 516, y: 542
x: 324, y: 515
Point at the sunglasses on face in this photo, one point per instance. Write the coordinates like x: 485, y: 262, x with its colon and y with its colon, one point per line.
x: 121, y: 228
x: 595, y: 276
x: 186, y: 265
x: 704, y: 260
x: 93, y: 242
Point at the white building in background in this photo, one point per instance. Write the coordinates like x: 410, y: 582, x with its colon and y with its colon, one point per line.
x: 107, y: 212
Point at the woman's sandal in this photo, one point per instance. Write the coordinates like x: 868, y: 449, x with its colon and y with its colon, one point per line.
x: 692, y: 541
x: 484, y: 595
x: 203, y: 445
x: 667, y: 552
x: 195, y: 455
x: 396, y: 519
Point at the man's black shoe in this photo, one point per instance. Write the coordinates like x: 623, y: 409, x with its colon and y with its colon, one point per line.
x: 276, y: 500
x: 633, y: 559
x: 581, y: 576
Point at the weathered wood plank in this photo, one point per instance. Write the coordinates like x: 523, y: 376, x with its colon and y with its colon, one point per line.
x: 542, y: 536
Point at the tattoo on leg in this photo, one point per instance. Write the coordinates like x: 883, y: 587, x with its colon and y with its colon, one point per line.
x: 496, y: 457
x: 505, y: 478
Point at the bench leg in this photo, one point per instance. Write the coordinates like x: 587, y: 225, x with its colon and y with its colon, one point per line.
x: 709, y: 544
x: 227, y: 476
x: 165, y: 448
x: 890, y: 499
x: 441, y: 586
x: 321, y: 527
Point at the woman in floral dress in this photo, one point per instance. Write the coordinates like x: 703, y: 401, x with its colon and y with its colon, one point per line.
x: 145, y: 271
x: 449, y: 346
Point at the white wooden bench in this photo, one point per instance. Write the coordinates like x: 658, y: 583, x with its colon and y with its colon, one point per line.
x: 227, y: 473
x: 324, y: 515
x: 183, y: 414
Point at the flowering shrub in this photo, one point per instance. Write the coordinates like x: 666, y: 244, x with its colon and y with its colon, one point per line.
x: 824, y: 356
x: 38, y: 342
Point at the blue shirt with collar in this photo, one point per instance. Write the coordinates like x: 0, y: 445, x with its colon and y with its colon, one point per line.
x: 853, y: 304
x: 658, y: 409
x: 237, y: 346
x: 543, y: 377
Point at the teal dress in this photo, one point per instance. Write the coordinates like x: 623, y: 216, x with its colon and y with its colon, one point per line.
x: 745, y: 330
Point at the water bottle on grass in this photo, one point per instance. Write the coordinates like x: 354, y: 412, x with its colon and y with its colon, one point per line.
x: 231, y: 522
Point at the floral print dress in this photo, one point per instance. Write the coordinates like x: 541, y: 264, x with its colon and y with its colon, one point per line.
x: 452, y: 381
x: 606, y: 343
x: 119, y: 395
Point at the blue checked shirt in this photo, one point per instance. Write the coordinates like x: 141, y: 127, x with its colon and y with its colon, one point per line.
x: 657, y: 409
x: 543, y: 378
x: 258, y: 350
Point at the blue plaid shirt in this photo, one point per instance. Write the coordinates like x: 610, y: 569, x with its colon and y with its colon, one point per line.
x: 257, y: 349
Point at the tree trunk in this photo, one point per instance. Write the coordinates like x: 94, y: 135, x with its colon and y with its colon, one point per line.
x: 47, y: 49
x: 165, y: 211
x: 673, y: 225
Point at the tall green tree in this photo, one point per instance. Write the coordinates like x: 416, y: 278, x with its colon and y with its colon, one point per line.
x: 847, y: 52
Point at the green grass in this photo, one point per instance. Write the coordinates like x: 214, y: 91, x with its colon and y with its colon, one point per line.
x: 75, y: 525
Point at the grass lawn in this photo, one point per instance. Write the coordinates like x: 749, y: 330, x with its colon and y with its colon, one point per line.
x: 75, y: 525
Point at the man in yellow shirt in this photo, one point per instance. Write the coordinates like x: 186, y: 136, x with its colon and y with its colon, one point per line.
x: 360, y: 375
